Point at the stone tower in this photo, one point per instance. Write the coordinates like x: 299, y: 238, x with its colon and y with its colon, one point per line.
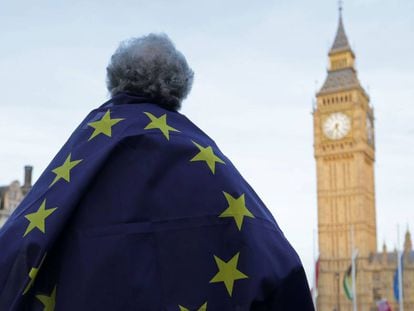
x: 344, y: 149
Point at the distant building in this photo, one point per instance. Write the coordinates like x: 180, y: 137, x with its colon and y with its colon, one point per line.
x: 13, y: 194
x: 344, y: 145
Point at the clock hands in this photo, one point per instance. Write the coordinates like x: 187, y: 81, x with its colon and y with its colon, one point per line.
x: 337, y: 125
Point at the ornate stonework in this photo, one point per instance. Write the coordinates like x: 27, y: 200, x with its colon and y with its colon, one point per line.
x: 13, y: 194
x: 344, y: 147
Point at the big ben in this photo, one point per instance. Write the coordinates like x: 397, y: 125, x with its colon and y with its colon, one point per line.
x: 344, y: 149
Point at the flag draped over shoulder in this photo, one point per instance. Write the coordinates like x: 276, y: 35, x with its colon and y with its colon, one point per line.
x: 140, y: 210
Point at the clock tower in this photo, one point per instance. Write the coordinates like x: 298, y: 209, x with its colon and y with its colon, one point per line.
x: 344, y: 149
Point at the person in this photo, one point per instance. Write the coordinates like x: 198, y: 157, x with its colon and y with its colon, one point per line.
x: 140, y: 210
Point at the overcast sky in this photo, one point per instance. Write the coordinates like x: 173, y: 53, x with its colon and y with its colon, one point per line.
x: 257, y: 66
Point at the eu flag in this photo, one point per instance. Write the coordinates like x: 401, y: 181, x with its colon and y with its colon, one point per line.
x: 140, y: 210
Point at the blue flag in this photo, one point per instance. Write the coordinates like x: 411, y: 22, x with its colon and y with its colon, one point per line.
x: 140, y: 210
x: 396, y: 286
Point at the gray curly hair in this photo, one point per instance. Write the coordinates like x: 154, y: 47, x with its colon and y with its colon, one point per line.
x: 152, y: 67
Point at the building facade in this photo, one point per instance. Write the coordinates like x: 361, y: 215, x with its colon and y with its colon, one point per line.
x: 13, y: 194
x: 344, y: 149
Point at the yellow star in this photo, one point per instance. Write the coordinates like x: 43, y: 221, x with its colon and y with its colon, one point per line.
x: 37, y: 219
x: 63, y: 171
x: 161, y: 124
x: 228, y: 272
x: 237, y: 209
x: 32, y: 275
x: 104, y: 125
x: 207, y: 154
x: 49, y: 302
x: 202, y: 308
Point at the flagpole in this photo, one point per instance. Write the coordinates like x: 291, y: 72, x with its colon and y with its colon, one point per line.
x: 354, y: 255
x: 400, y: 282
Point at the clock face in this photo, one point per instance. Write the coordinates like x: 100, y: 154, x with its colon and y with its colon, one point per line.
x: 370, y: 131
x: 336, y: 125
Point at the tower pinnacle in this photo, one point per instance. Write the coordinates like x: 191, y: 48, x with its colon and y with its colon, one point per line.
x: 341, y: 40
x: 408, y: 245
x: 341, y: 73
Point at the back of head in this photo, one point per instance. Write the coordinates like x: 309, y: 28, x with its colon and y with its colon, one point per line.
x: 152, y: 67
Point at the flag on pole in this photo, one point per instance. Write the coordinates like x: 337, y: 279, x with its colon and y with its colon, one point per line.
x: 353, y: 271
x: 317, y: 272
x: 396, y: 286
x: 397, y: 275
x: 347, y: 283
x: 316, y: 276
x: 314, y: 289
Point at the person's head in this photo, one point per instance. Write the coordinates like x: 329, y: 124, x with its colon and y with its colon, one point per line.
x: 150, y: 66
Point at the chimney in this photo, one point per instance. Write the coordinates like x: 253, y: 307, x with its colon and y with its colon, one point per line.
x: 27, y: 178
